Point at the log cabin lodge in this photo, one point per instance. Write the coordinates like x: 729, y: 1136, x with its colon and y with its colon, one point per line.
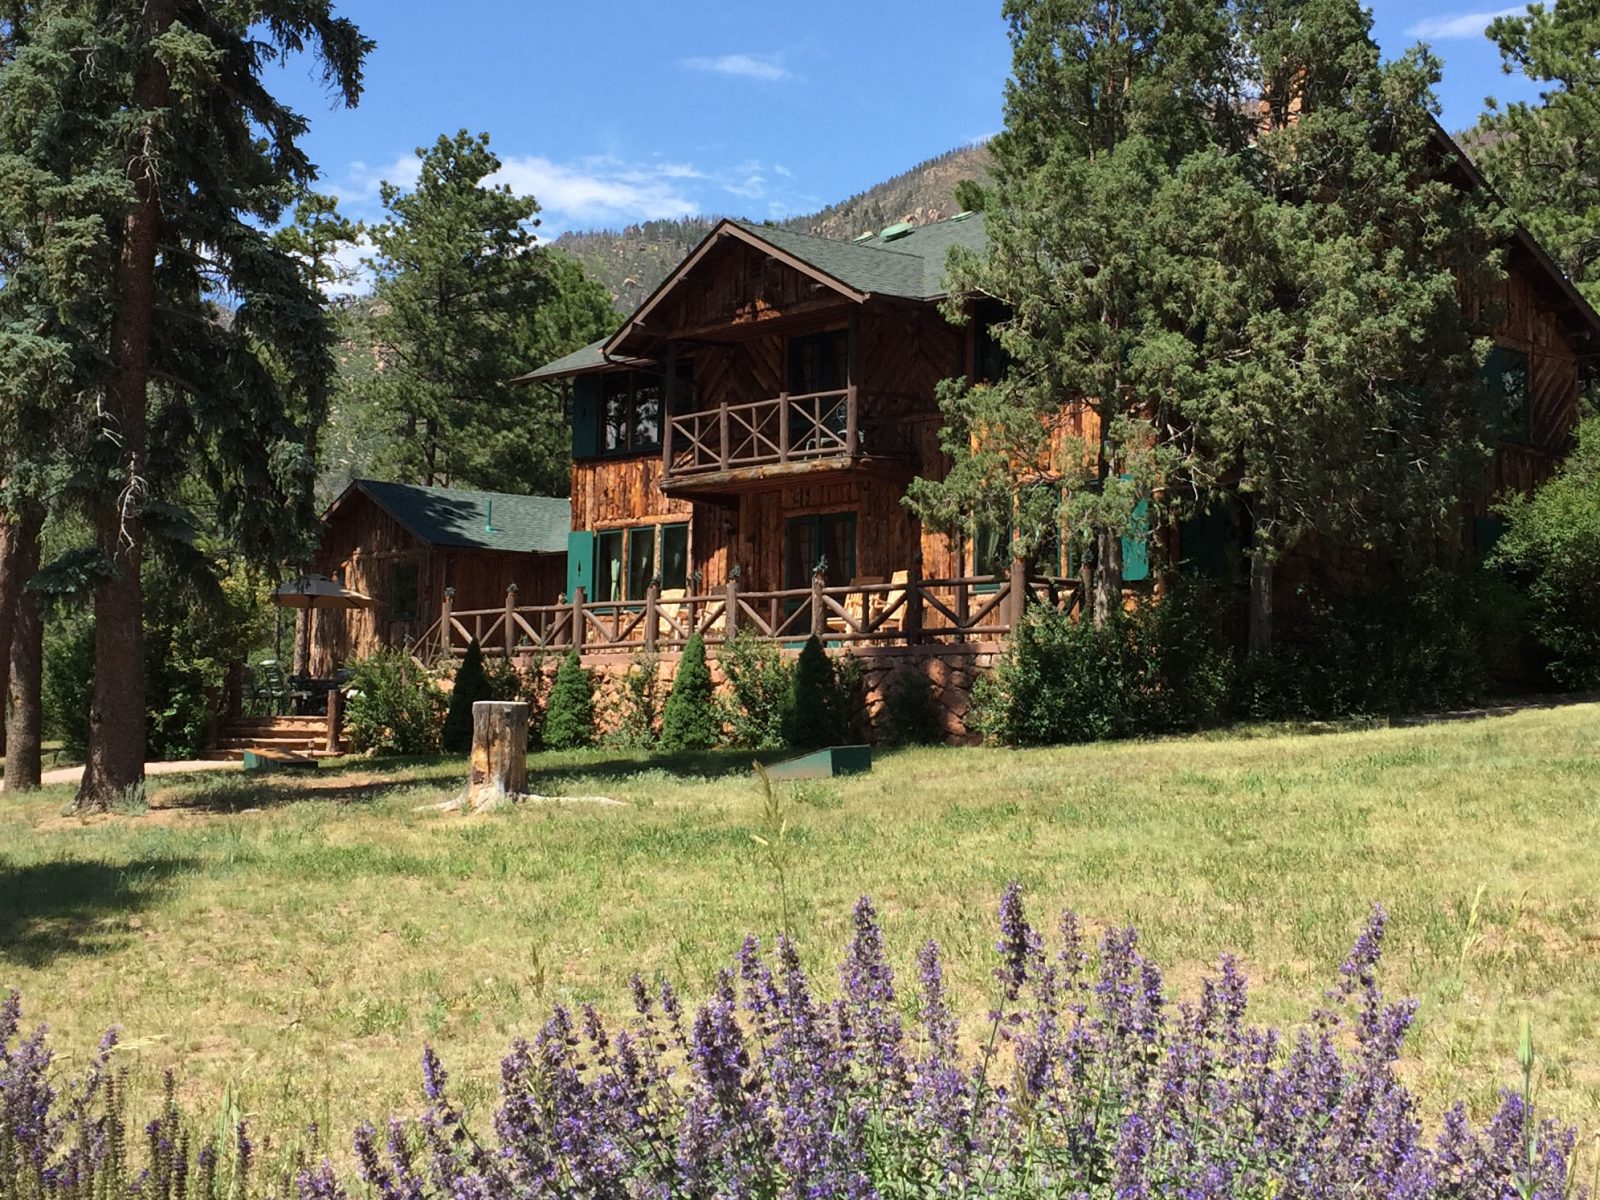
x: 742, y: 445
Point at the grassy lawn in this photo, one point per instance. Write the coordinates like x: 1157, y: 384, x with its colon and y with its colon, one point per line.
x: 299, y: 940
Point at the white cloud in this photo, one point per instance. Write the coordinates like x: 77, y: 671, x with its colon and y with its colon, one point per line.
x: 597, y: 191
x: 768, y: 68
x: 360, y: 187
x: 355, y: 277
x: 1458, y: 26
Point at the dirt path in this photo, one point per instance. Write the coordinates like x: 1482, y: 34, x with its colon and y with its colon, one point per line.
x: 74, y: 774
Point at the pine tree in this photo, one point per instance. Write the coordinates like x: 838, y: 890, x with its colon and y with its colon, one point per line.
x: 471, y: 685
x: 691, y: 720
x: 465, y: 300
x: 1106, y: 98
x: 1332, y: 370
x: 149, y: 120
x: 1224, y: 264
x: 1544, y: 156
x: 813, y: 719
x: 569, y: 713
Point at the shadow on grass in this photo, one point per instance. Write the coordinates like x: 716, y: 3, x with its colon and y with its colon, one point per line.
x: 52, y: 909
x: 361, y: 781
x: 547, y: 768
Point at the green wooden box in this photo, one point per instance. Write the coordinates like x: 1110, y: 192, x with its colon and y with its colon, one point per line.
x: 277, y: 760
x: 824, y: 764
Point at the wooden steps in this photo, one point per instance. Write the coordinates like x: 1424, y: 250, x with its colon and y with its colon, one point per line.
x: 292, y: 735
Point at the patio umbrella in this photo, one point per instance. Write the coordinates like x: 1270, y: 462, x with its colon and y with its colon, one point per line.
x: 312, y: 592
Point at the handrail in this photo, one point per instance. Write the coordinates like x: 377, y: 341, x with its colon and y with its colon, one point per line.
x: 937, y: 611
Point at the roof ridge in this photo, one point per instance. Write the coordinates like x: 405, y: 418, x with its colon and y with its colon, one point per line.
x: 436, y: 487
x: 762, y: 230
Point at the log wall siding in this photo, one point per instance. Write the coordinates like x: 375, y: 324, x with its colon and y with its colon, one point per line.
x: 1530, y: 323
x: 365, y: 544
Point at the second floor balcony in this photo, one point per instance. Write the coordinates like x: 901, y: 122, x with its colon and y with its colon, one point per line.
x: 735, y: 447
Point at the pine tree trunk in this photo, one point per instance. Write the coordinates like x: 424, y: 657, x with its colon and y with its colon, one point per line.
x: 115, y: 763
x: 1259, y: 641
x: 9, y: 583
x: 24, y: 717
x: 1107, y: 576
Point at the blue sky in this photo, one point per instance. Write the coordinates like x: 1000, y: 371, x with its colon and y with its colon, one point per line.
x: 615, y: 111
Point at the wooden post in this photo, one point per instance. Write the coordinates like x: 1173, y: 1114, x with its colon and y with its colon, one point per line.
x: 652, y: 615
x: 731, y: 616
x: 577, y: 619
x: 1018, y: 597
x: 510, y: 621
x: 818, y: 622
x: 911, y: 619
x: 852, y: 407
x: 783, y: 427
x: 234, y: 687
x: 722, y: 422
x: 445, y: 637
x: 499, y: 752
x: 669, y: 396
x: 335, y: 719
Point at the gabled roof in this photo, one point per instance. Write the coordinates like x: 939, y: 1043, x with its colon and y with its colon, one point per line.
x: 909, y: 267
x: 470, y: 520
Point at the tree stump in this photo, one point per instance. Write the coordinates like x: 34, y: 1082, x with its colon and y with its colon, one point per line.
x: 499, y: 753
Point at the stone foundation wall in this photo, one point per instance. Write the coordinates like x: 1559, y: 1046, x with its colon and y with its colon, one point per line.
x: 950, y: 672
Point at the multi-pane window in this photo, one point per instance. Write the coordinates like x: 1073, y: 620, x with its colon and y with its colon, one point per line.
x: 630, y: 413
x: 625, y: 561
x: 820, y: 538
x: 1507, y: 377
x: 674, y: 557
x: 990, y: 362
x: 404, y: 601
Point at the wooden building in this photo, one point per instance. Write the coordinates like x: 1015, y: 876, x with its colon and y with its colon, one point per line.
x: 758, y: 418
x: 408, y: 547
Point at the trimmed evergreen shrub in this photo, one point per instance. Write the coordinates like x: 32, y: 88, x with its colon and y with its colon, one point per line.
x: 569, y: 713
x: 472, y: 685
x: 636, y: 703
x: 394, y: 706
x: 759, y: 690
x: 910, y: 715
x: 691, y: 720
x: 815, y: 716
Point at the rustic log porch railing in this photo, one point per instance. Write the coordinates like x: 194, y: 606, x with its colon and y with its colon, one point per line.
x: 909, y: 612
x: 781, y: 431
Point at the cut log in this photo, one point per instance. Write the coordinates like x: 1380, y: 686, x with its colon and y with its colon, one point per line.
x: 499, y: 752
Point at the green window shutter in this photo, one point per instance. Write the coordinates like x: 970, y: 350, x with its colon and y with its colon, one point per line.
x: 1136, y: 545
x: 586, y: 416
x: 580, y: 562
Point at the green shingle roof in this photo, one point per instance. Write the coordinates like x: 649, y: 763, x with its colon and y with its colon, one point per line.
x: 455, y: 517
x: 911, y: 266
x: 589, y: 358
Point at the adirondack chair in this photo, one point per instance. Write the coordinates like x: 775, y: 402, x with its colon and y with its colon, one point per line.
x: 887, y: 602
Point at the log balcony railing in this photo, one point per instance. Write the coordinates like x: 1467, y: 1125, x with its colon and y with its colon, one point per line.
x: 910, y: 612
x: 785, y: 430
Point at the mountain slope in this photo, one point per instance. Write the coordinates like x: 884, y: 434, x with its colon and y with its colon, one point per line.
x: 632, y: 261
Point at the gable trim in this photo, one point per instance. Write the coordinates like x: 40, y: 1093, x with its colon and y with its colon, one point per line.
x: 725, y: 228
